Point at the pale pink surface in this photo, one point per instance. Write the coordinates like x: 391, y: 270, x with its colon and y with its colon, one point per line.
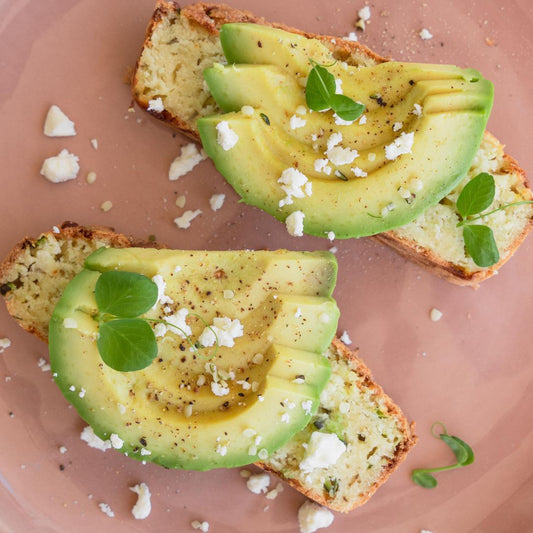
x: 472, y: 369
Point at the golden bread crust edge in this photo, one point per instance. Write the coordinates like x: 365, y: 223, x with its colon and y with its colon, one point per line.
x: 407, y: 429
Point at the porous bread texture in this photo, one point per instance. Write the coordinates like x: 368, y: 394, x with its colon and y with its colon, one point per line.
x: 36, y: 271
x: 179, y: 44
x: 376, y: 434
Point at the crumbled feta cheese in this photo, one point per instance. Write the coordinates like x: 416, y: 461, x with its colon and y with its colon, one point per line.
x: 417, y: 110
x: 82, y: 393
x: 226, y: 137
x: 296, y: 122
x: 359, y: 172
x: 144, y: 451
x: 219, y: 388
x: 312, y: 516
x: 331, y: 235
x: 341, y: 156
x: 224, y: 330
x: 161, y: 284
x: 247, y: 110
x: 94, y: 143
x: 321, y: 165
x: 184, y: 221
x: 425, y: 34
x: 352, y: 36
x: 293, y: 184
x: 285, y: 418
x: 88, y: 435
x: 178, y: 324
x: 104, y: 507
x: 43, y: 365
x: 364, y: 13
x: 60, y: 168
x: 397, y: 126
x: 341, y: 122
x: 323, y: 450
x: 156, y: 104
x: 295, y: 223
x: 435, y: 315
x: 217, y: 201
x: 143, y: 506
x: 116, y: 441
x: 362, y: 120
x: 72, y: 388
x: 333, y: 140
x: 404, y: 193
x: 57, y: 124
x: 160, y: 330
x: 189, y: 157
x: 307, y: 406
x: 346, y: 338
x: 401, y: 145
x: 62, y: 449
x: 69, y: 323
x: 200, y: 526
x: 106, y: 206
x: 221, y: 449
x: 258, y: 483
x: 5, y: 343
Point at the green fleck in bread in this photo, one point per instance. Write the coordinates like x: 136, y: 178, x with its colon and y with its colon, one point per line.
x: 375, y: 431
x: 181, y: 43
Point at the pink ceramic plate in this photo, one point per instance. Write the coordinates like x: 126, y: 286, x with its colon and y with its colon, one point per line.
x: 471, y: 370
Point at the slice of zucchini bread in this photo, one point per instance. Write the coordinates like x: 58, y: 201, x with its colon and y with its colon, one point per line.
x: 181, y: 43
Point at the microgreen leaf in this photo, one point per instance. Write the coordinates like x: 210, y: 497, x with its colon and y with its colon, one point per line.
x: 345, y: 107
x: 462, y: 451
x: 480, y: 245
x: 127, y: 344
x: 476, y: 195
x: 320, y: 95
x: 124, y: 294
x: 423, y: 478
x: 320, y: 86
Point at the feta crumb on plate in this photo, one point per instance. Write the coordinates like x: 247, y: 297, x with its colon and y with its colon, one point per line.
x: 346, y: 338
x: 312, y: 516
x: 143, y: 506
x: 57, y: 124
x: 217, y: 201
x: 5, y: 343
x: 104, y: 507
x: 295, y: 223
x: 189, y: 157
x: 200, y: 526
x: 184, y: 221
x: 425, y: 34
x: 94, y: 441
x: 60, y: 168
x: 435, y: 314
x: 258, y: 483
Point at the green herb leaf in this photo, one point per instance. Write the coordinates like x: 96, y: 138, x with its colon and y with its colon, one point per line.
x: 319, y: 89
x: 125, y: 294
x: 127, y: 344
x: 462, y: 451
x: 480, y: 245
x: 320, y: 95
x: 476, y: 195
x: 345, y: 107
x: 423, y: 478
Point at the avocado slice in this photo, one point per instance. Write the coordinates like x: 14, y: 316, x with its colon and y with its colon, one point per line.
x: 421, y: 129
x: 205, y: 408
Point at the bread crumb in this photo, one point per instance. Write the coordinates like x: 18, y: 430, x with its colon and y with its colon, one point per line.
x: 143, y: 506
x: 106, y: 206
x: 295, y: 223
x: 104, y: 507
x: 57, y: 124
x: 273, y: 494
x: 217, y: 201
x: 180, y: 201
x: 94, y: 142
x: 435, y: 314
x: 156, y: 105
x: 91, y: 177
x: 312, y: 516
x: 346, y: 338
x: 258, y: 483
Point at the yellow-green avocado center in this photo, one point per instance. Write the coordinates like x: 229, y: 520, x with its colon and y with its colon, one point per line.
x: 217, y: 406
x: 416, y: 140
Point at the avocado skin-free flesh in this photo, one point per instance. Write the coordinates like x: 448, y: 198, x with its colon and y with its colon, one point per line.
x: 282, y: 299
x: 446, y: 132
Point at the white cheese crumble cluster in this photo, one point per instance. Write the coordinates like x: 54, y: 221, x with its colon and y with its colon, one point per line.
x: 60, y: 168
x: 57, y: 124
x: 143, y: 506
x: 295, y: 223
x: 322, y: 451
x: 5, y: 343
x: 226, y: 137
x: 156, y: 104
x: 189, y: 157
x: 294, y: 184
x: 312, y: 516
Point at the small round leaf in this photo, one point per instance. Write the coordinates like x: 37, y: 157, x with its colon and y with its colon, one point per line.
x: 424, y: 479
x: 480, y: 245
x: 476, y: 195
x: 125, y: 294
x: 127, y: 344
